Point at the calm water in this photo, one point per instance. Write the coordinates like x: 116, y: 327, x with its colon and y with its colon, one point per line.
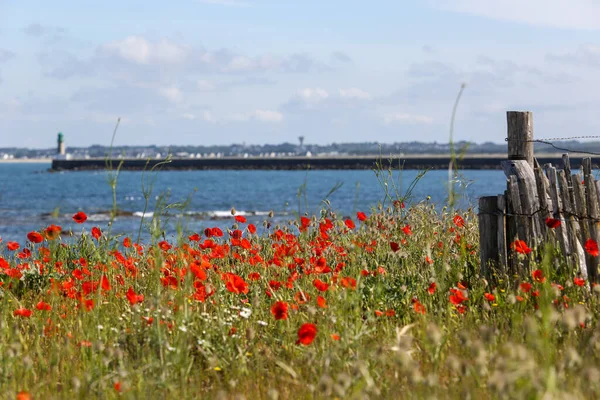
x: 32, y: 198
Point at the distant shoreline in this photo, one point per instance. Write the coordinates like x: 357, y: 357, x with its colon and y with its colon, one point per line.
x: 27, y: 160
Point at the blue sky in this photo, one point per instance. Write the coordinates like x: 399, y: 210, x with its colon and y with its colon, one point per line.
x: 266, y: 71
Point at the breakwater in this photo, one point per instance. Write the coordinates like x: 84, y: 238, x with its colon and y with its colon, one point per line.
x: 418, y: 162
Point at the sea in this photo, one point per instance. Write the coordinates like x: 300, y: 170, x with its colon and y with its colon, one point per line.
x: 32, y: 197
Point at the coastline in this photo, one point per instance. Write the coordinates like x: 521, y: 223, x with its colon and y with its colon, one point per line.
x: 27, y: 161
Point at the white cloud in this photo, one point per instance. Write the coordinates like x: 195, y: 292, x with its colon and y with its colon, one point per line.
x: 173, y: 94
x: 139, y: 50
x: 268, y: 116
x: 205, y: 86
x: 355, y: 93
x: 189, y: 116
x: 208, y: 117
x: 313, y: 95
x: 404, y: 118
x: 574, y: 14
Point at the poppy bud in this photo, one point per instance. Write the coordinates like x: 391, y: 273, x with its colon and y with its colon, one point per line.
x: 271, y: 214
x: 233, y: 211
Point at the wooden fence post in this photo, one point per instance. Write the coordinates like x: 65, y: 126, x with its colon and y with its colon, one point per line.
x: 520, y: 136
x: 488, y: 235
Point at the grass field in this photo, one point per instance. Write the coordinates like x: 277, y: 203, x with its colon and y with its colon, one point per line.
x: 388, y: 304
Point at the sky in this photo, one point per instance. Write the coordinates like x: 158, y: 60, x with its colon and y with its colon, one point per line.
x: 203, y: 72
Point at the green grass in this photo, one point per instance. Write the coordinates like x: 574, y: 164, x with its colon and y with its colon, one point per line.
x: 543, y: 343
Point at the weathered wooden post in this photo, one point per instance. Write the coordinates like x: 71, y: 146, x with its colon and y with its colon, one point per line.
x: 489, y: 253
x: 520, y: 136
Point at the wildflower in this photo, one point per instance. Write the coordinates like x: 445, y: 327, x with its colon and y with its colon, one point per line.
x: 457, y: 297
x: 23, y: 395
x: 35, y: 237
x: 394, y: 246
x: 428, y: 260
x: 348, y: 282
x: 335, y: 336
x: 117, y: 387
x: 459, y: 221
x: 235, y: 283
x: 538, y: 276
x: 133, y: 297
x: 104, y: 283
x: 42, y: 306
x: 321, y: 302
x: 22, y: 312
x: 552, y: 223
x: 489, y: 296
x: 419, y: 308
x: 127, y: 242
x: 96, y: 233
x: 251, y: 228
x: 361, y: 216
x: 80, y: 217
x: 349, y: 224
x: 164, y: 245
x: 253, y: 276
x: 578, y: 281
x: 240, y: 218
x: 320, y: 285
x: 306, y: 334
x: 194, y: 238
x: 591, y: 247
x: 280, y: 310
x: 520, y: 247
x: 12, y: 246
x: 378, y: 313
x: 407, y: 230
x: 525, y: 287
x: 432, y: 287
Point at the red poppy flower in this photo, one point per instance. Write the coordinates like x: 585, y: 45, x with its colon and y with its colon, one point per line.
x: 394, y: 246
x: 525, y: 287
x: 251, y: 228
x: 240, y: 218
x: 349, y: 224
x: 306, y: 334
x: 520, y: 247
x: 42, y: 306
x: 407, y: 230
x: 127, y: 242
x: 335, y: 336
x: 104, y: 283
x: 164, y: 245
x: 552, y: 223
x: 361, y: 216
x: 133, y: 297
x: 538, y: 276
x: 489, y: 296
x: 348, y: 282
x: 432, y: 287
x: 457, y: 297
x: 320, y: 285
x: 52, y: 232
x: 12, y: 246
x: 80, y: 217
x: 419, y: 308
x: 304, y: 223
x: 194, y: 238
x: 280, y: 310
x: 235, y: 283
x: 96, y: 233
x: 23, y: 396
x: 578, y: 281
x: 35, y: 237
x: 117, y: 387
x: 459, y: 221
x: 591, y: 247
x: 321, y: 302
x: 22, y: 312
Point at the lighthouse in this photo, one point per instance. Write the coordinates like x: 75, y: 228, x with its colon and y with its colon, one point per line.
x: 61, y: 145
